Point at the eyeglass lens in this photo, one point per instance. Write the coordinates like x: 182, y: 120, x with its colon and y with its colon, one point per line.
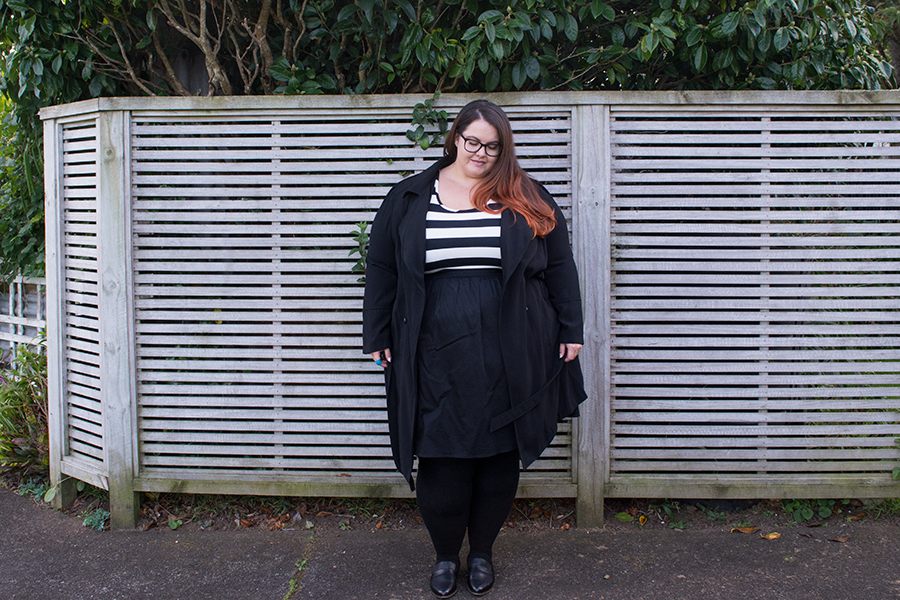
x: 473, y: 145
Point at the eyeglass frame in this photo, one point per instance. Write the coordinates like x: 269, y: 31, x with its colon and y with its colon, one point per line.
x: 487, y: 148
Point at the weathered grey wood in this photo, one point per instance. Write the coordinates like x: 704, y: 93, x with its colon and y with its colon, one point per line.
x: 745, y: 317
x: 56, y: 347
x: 591, y: 235
x: 313, y: 486
x: 115, y: 363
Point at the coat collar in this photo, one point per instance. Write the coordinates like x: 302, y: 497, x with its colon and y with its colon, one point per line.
x: 515, y: 234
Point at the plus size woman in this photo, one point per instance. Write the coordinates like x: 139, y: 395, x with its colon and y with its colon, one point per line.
x: 472, y: 307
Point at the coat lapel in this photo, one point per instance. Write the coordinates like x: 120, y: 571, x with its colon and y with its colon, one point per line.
x: 412, y: 226
x: 515, y: 235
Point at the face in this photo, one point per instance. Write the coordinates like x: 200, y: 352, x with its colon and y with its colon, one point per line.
x: 476, y: 164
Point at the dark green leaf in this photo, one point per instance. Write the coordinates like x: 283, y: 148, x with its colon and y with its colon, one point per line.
x: 782, y: 38
x: 532, y: 68
x: 367, y: 6
x: 490, y: 16
x: 693, y: 36
x: 518, y: 75
x: 492, y: 80
x: 571, y: 28
x: 617, y: 34
x: 407, y: 7
x: 729, y: 24
x: 699, y: 57
x: 347, y: 12
x: 489, y: 32
x: 470, y: 33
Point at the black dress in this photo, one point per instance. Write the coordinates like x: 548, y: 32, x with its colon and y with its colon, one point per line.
x: 462, y: 382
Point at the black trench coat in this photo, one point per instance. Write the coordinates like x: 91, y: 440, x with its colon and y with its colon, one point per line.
x: 540, y: 308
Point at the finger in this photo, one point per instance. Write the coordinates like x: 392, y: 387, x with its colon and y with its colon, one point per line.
x: 387, y: 354
x: 562, y: 351
x: 572, y: 351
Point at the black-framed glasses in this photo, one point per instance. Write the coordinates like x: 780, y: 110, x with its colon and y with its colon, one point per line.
x: 473, y: 145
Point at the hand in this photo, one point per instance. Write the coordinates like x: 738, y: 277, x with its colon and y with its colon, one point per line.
x: 382, y: 357
x: 570, y: 351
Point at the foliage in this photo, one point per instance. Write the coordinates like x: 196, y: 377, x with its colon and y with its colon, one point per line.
x: 23, y: 414
x: 361, y: 237
x: 56, y: 52
x: 96, y: 519
x: 21, y: 196
x: 804, y: 510
x: 426, y: 118
x: 35, y: 488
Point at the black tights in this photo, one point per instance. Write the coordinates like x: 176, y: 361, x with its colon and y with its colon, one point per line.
x: 456, y: 494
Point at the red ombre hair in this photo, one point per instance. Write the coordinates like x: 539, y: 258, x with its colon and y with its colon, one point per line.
x: 506, y: 183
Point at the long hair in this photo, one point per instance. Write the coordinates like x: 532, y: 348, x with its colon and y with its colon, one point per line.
x: 506, y: 184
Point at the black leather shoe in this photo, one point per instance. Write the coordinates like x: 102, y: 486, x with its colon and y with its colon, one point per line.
x: 481, y: 576
x: 443, y: 578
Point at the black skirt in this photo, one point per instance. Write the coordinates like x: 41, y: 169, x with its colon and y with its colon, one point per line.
x: 462, y: 383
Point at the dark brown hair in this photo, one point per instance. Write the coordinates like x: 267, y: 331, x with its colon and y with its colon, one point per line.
x: 506, y: 183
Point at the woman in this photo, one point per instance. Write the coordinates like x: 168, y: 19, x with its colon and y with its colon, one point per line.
x: 472, y: 307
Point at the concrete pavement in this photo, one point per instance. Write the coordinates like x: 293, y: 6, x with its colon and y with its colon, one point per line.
x: 47, y: 555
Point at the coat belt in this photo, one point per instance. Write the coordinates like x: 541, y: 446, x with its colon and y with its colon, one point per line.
x: 520, y: 409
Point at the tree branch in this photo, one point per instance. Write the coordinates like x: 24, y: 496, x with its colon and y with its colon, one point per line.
x: 168, y: 73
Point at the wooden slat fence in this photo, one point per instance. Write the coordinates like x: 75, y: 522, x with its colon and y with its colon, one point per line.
x: 247, y: 313
x: 754, y: 310
x: 739, y: 252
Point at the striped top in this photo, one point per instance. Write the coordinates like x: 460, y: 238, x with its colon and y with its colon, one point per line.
x: 460, y: 239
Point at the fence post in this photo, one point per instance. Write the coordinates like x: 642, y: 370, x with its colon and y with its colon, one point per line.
x: 592, y: 253
x: 114, y: 216
x: 56, y: 390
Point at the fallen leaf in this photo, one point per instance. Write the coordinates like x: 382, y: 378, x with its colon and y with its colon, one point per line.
x: 770, y: 536
x: 308, y: 525
x: 624, y: 517
x: 642, y: 520
x: 858, y: 516
x: 816, y: 524
x: 633, y: 511
x: 809, y: 535
x: 344, y: 475
x: 535, y: 513
x: 245, y: 522
x: 840, y: 539
x: 744, y: 529
x: 323, y: 514
x: 565, y: 527
x: 379, y: 525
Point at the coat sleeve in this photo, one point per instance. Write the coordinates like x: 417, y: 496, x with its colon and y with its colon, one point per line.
x: 561, y: 279
x: 381, y: 278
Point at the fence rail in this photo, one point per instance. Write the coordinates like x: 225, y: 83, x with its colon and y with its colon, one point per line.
x: 740, y: 264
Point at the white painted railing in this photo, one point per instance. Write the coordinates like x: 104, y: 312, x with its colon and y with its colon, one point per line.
x: 22, y: 303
